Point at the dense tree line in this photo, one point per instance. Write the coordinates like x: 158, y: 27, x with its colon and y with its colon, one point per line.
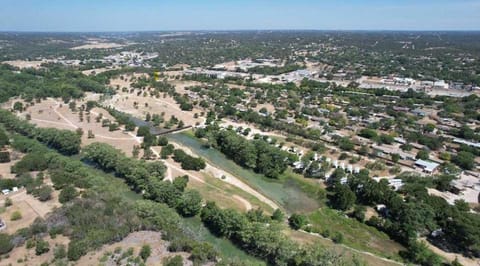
x: 255, y: 154
x: 65, y: 141
x: 137, y: 173
x: 59, y: 82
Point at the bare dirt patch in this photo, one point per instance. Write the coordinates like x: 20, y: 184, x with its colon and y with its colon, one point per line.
x: 28, y: 257
x: 29, y: 207
x: 98, y: 45
x: 24, y: 64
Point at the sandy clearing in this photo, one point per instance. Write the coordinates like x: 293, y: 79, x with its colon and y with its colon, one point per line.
x: 98, y: 45
x: 32, y: 259
x: 24, y: 64
x: 28, y: 206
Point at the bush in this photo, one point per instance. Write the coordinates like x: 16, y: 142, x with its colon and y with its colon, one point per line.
x: 173, y: 261
x: 5, y: 243
x: 41, y: 247
x: 338, y: 238
x: 60, y: 252
x: 4, y: 156
x: 297, y: 221
x: 16, y: 215
x: 67, y: 194
x: 145, y: 252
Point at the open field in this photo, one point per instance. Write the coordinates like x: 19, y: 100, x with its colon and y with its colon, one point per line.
x: 98, y: 45
x: 370, y: 259
x: 356, y: 235
x: 23, y: 256
x: 124, y: 102
x: 28, y: 206
x: 52, y: 113
x: 24, y: 64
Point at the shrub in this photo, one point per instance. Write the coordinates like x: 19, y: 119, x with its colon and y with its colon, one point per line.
x: 16, y: 215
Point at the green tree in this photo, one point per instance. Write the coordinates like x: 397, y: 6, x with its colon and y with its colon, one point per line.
x: 173, y: 261
x: 180, y: 182
x: 464, y: 159
x: 278, y: 215
x: 297, y: 221
x: 145, y: 252
x: 67, y: 194
x: 18, y: 106
x: 423, y: 155
x: 41, y: 247
x: 343, y: 197
x: 190, y: 203
x: 5, y: 243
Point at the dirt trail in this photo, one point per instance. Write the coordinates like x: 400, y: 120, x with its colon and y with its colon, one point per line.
x: 218, y: 173
x: 230, y: 178
x: 356, y: 250
x: 451, y: 256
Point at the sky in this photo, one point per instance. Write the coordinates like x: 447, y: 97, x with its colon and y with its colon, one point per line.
x: 168, y: 15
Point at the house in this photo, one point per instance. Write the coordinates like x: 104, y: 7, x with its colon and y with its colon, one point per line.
x: 466, y: 142
x: 395, y: 183
x: 427, y: 166
x: 418, y: 112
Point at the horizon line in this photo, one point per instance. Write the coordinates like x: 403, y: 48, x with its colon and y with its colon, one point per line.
x: 239, y: 30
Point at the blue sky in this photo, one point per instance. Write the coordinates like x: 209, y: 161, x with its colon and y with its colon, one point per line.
x: 145, y: 15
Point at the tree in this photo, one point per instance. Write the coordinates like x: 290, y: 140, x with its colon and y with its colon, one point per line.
x: 190, y: 203
x: 359, y: 213
x: 18, y: 106
x: 145, y: 252
x: 5, y: 243
x: 16, y: 215
x: 346, y: 144
x: 67, y: 194
x: 278, y: 215
x: 297, y: 221
x: 395, y: 157
x: 4, y: 140
x: 143, y: 131
x: 90, y: 134
x: 464, y: 159
x: 462, y: 205
x: 173, y: 261
x: 41, y: 247
x: 162, y: 141
x: 44, y: 193
x: 180, y: 182
x: 8, y: 202
x: 422, y: 154
x: 344, y: 197
x: 60, y: 252
x: 4, y: 156
x: 429, y: 127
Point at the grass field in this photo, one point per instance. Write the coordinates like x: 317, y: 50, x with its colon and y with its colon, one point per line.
x: 356, y: 234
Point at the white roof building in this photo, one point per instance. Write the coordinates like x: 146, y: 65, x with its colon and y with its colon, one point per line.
x: 427, y: 166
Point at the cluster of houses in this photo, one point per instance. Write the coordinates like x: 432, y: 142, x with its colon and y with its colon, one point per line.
x: 130, y: 58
